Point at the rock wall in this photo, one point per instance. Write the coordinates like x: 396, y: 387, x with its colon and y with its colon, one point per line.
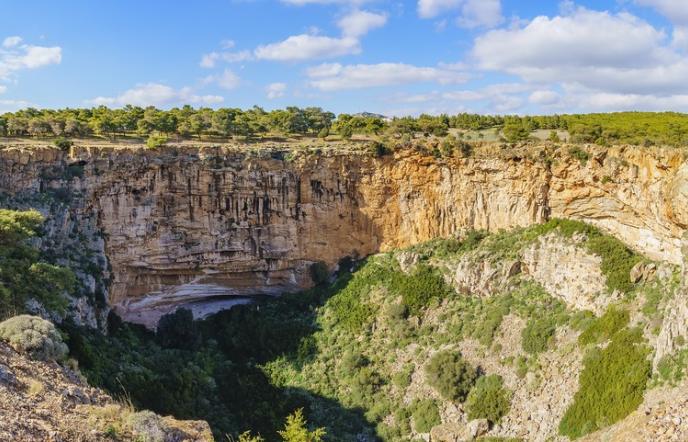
x: 184, y: 223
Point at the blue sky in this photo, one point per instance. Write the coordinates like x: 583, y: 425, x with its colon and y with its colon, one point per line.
x: 395, y: 58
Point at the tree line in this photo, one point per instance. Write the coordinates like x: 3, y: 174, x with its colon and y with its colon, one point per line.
x: 644, y: 128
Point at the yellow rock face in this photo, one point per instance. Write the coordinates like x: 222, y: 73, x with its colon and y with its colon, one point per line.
x: 183, y: 223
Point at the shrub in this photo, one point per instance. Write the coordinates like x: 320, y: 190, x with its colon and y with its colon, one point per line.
x: 156, y: 140
x: 295, y: 429
x: 425, y: 415
x: 604, y: 327
x: 319, y: 273
x: 379, y: 149
x: 177, y: 330
x: 537, y: 335
x: 488, y: 399
x: 611, y: 385
x: 579, y: 154
x: 35, y: 336
x: 420, y: 287
x: 617, y: 261
x: 63, y: 144
x: 324, y: 132
x: 450, y: 375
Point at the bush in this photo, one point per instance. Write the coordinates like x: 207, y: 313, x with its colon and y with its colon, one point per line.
x: 35, y: 336
x: 63, y: 144
x: 604, y: 327
x: 324, y: 132
x: 537, y: 335
x: 177, y: 330
x: 425, y: 415
x: 156, y: 140
x: 420, y: 287
x: 488, y: 399
x: 319, y: 273
x: 296, y: 430
x: 611, y: 385
x: 579, y: 154
x: 450, y: 375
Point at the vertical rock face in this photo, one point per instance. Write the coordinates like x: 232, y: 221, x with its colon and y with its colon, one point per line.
x: 186, y: 223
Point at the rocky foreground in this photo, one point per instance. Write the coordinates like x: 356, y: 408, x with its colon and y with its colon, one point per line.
x: 44, y: 401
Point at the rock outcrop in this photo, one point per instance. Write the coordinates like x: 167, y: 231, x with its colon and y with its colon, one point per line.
x: 185, y: 223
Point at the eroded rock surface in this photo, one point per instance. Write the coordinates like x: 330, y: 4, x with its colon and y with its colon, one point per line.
x: 202, y: 221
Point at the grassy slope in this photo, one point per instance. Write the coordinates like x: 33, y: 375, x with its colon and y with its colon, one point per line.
x: 353, y: 353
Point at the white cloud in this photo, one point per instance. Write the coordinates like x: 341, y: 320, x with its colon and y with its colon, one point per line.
x: 16, y: 56
x: 334, y: 76
x: 3, y: 89
x: 156, y: 94
x: 210, y: 60
x: 674, y: 10
x: 275, y: 90
x: 477, y: 13
x: 432, y: 8
x: 228, y: 80
x: 499, y: 97
x: 544, y: 97
x: 358, y: 23
x: 308, y: 47
x: 13, y: 105
x: 616, y: 53
x: 473, y: 13
x: 11, y: 42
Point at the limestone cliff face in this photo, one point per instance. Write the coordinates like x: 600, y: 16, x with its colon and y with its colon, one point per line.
x: 186, y: 223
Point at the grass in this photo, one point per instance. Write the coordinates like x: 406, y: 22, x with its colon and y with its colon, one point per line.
x: 604, y: 327
x: 488, y: 399
x: 611, y: 384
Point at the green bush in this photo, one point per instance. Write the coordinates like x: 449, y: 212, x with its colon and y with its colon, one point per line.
x: 579, y: 154
x: 23, y: 275
x: 488, y: 399
x: 420, y: 287
x: 63, y: 144
x: 425, y: 415
x: 537, y: 335
x: 604, y: 327
x: 450, y: 375
x: 617, y: 261
x: 35, y: 336
x: 296, y: 429
x: 156, y: 140
x: 177, y: 330
x: 611, y: 384
x: 319, y: 272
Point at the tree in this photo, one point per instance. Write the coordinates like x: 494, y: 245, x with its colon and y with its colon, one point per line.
x: 177, y: 330
x: 450, y: 375
x: 295, y: 429
x: 515, y: 130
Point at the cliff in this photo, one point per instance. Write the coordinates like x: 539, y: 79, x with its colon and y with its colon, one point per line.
x: 184, y: 223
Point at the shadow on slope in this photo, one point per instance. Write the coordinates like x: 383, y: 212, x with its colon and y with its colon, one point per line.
x: 212, y: 369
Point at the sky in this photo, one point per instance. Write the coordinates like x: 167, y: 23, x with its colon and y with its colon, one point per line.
x: 384, y: 56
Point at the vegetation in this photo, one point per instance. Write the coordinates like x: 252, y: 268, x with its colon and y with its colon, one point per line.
x: 488, y: 399
x: 24, y: 273
x: 34, y: 336
x: 425, y: 415
x: 611, y: 384
x: 295, y: 429
x: 640, y: 128
x: 352, y: 351
x: 537, y: 335
x: 450, y: 375
x: 604, y: 327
